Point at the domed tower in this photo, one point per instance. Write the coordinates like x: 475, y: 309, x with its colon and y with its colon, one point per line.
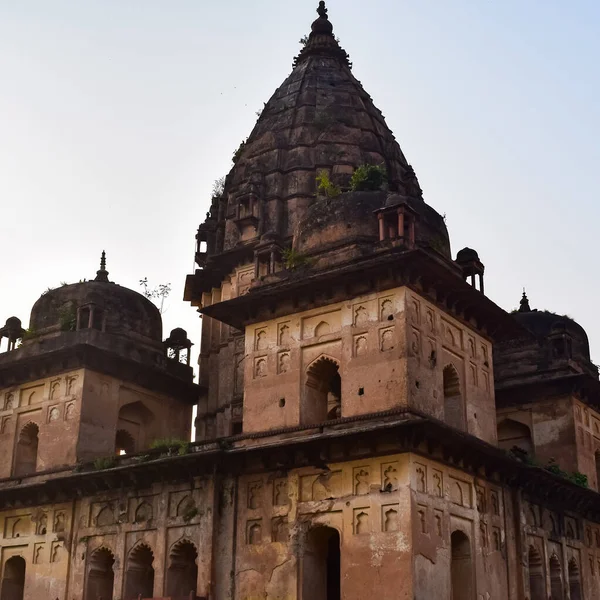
x: 548, y: 393
x: 91, y: 377
x: 323, y: 273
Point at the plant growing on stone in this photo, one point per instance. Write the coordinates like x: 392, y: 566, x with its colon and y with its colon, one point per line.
x: 326, y: 186
x: 104, y: 462
x: 368, y: 178
x: 162, y: 291
x: 294, y: 259
x: 67, y: 317
x: 171, y: 445
x: 218, y: 187
x: 238, y: 152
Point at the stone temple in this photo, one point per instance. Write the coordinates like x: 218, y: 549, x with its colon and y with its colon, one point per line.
x: 369, y: 423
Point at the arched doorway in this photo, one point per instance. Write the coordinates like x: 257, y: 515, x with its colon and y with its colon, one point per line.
x: 320, y: 564
x: 556, y: 581
x: 323, y: 392
x: 100, y: 575
x: 574, y: 580
x: 27, y: 450
x: 124, y: 442
x: 512, y: 433
x: 139, y: 576
x: 13, y: 579
x: 182, y: 574
x: 453, y: 402
x: 461, y: 568
x: 537, y: 583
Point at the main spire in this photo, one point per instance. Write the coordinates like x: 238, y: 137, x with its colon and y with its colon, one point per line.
x: 321, y: 41
x: 102, y: 274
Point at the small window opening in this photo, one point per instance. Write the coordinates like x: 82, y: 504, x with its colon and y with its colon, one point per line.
x: 84, y: 318
x: 98, y: 319
x: 361, y: 391
x: 281, y: 402
x: 124, y: 443
x: 236, y: 428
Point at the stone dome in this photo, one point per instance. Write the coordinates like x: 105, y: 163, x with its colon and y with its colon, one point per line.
x: 547, y: 325
x: 466, y: 255
x: 319, y: 118
x: 351, y: 218
x: 119, y: 309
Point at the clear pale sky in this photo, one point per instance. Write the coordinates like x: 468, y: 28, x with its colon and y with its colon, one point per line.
x: 116, y: 116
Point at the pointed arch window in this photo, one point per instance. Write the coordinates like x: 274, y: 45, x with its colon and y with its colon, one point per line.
x: 100, y: 575
x: 182, y: 573
x: 461, y: 566
x: 139, y: 576
x: 323, y: 392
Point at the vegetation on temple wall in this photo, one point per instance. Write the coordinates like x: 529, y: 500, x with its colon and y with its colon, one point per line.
x: 67, y: 317
x: 105, y: 462
x: 190, y: 513
x: 368, y: 178
x: 218, y: 187
x: 29, y: 334
x: 238, y: 152
x: 326, y: 187
x: 162, y: 291
x: 552, y: 467
x: 171, y: 446
x: 294, y: 259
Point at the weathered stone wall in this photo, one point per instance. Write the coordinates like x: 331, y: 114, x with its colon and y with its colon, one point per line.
x: 53, y: 404
x: 77, y: 416
x: 391, y: 350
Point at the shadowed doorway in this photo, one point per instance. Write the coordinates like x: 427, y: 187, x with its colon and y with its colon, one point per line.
x: 321, y: 565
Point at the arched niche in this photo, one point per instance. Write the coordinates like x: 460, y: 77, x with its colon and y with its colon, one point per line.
x: 322, y: 399
x: 27, y: 450
x: 139, y: 573
x: 100, y: 575
x: 513, y: 434
x: 537, y: 580
x: 454, y: 410
x: 182, y: 572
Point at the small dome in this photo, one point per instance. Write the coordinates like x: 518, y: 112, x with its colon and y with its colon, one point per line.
x: 178, y: 336
x: 544, y: 325
x: 124, y: 311
x: 352, y: 217
x: 467, y: 255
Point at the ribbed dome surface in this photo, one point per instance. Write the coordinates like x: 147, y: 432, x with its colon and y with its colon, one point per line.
x: 319, y: 118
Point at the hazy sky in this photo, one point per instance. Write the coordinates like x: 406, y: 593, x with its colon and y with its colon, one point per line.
x: 116, y: 116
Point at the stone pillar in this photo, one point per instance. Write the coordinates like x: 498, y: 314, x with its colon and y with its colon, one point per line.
x: 381, y: 227
x: 401, y: 223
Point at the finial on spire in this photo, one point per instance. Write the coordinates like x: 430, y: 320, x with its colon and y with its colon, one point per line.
x: 524, y: 306
x: 102, y: 274
x: 322, y: 10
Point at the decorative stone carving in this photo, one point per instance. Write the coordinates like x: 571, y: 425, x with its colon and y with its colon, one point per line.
x: 56, y: 552
x: 261, y: 340
x: 390, y: 478
x: 323, y: 328
x: 105, y: 517
x: 361, y: 521
x: 38, y: 553
x: 284, y: 335
x: 279, y: 530
x: 53, y: 414
x: 422, y: 515
x: 361, y: 316
x: 438, y: 483
x: 284, y: 362
x: 42, y: 525
x: 70, y: 411
x: 260, y: 367
x: 254, y: 532
x: 360, y: 345
x: 280, y: 492
x: 59, y: 522
x: 143, y: 512
x: 387, y: 310
x: 421, y: 478
x: 390, y: 520
x: 361, y: 482
x: 387, y: 340
x: 54, y: 390
x: 9, y: 402
x: 255, y: 495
